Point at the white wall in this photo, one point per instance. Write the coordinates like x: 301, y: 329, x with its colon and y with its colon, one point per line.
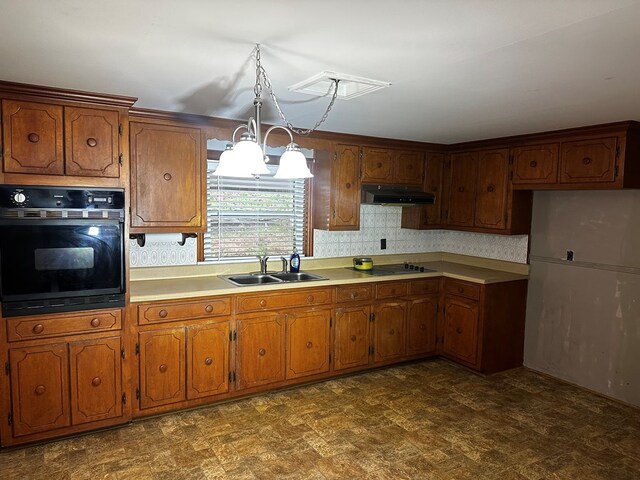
x: 583, y: 317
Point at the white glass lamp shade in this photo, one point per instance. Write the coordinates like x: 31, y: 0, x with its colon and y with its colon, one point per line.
x: 249, y: 155
x: 293, y: 164
x: 229, y: 166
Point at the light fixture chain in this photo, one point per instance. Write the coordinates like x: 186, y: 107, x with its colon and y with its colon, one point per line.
x: 261, y: 72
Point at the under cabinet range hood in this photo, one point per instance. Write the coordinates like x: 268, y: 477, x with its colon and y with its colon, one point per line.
x: 394, y: 195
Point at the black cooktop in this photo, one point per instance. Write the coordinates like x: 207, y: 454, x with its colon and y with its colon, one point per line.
x: 393, y: 269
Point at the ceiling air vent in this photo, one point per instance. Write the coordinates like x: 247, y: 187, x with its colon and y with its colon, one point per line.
x: 349, y: 87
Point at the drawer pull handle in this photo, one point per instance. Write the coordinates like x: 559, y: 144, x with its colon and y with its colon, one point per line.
x: 586, y: 161
x: 263, y: 303
x: 262, y: 352
x: 208, y: 309
x: 533, y: 164
x: 96, y: 382
x: 208, y: 361
x: 353, y: 338
x: 40, y: 389
x: 162, y: 313
x: 392, y: 332
x: 490, y: 188
x: 92, y: 142
x: 458, y: 330
x: 167, y: 176
x: 423, y: 326
x: 354, y: 294
x: 393, y: 291
x: 460, y: 290
x: 95, y: 322
x: 379, y: 165
x: 309, y: 344
x: 310, y: 299
x: 461, y: 189
x: 33, y: 137
x: 163, y: 368
x: 39, y: 328
x: 347, y: 185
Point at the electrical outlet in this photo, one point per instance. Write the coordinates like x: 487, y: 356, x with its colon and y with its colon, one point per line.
x: 383, y: 244
x: 570, y: 255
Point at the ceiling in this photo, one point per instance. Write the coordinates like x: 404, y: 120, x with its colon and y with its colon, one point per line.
x: 460, y: 69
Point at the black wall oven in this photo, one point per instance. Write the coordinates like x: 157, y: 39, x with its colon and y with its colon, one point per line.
x: 61, y: 249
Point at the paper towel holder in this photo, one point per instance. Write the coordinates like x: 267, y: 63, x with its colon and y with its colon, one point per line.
x: 185, y: 236
x: 138, y: 237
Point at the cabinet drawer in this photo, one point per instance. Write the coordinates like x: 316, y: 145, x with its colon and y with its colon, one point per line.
x: 170, y: 312
x: 354, y: 293
x: 45, y: 326
x: 268, y: 301
x: 422, y: 287
x: 391, y: 290
x: 463, y: 289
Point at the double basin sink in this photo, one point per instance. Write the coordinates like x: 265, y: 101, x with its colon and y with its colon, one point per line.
x: 270, y: 278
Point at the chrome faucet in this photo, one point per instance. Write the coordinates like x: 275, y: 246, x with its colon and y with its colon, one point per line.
x: 263, y: 264
x: 285, y: 265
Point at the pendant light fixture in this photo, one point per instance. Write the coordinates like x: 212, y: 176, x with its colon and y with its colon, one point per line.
x: 246, y: 158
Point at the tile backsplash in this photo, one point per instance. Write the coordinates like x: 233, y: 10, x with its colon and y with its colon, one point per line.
x: 383, y: 222
x: 376, y: 222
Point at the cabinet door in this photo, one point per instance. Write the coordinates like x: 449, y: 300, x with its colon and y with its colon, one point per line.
x: 491, y: 196
x: 535, y: 164
x: 409, y: 168
x: 434, y: 168
x: 389, y: 333
x: 307, y: 343
x: 166, y: 177
x: 462, y: 189
x: 39, y: 388
x: 345, y: 195
x: 91, y: 142
x: 32, y: 138
x: 461, y: 329
x: 162, y: 365
x: 422, y: 316
x: 589, y: 161
x: 377, y: 165
x: 207, y: 360
x: 351, y: 344
x: 96, y: 380
x: 260, y: 350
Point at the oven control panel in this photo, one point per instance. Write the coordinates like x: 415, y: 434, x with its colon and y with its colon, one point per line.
x: 12, y: 196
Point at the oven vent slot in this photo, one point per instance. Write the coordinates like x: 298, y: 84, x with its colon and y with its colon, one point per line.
x: 26, y: 213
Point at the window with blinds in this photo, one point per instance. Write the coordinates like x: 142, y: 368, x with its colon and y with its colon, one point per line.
x: 247, y: 217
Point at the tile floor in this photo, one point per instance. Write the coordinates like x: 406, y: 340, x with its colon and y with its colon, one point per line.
x: 429, y: 420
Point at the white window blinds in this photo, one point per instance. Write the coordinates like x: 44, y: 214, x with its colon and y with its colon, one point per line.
x: 248, y: 217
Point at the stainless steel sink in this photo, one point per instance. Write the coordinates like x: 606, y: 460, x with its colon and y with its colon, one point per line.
x: 297, y: 277
x: 262, y: 279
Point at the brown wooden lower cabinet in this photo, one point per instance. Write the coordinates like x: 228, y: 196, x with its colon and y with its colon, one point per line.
x: 389, y: 331
x: 422, y: 319
x: 307, y: 343
x: 351, y: 337
x: 207, y: 360
x: 460, y: 329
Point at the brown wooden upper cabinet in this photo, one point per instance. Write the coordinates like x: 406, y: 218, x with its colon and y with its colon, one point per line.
x: 429, y: 216
x: 168, y: 162
x: 50, y: 139
x: 385, y: 166
x: 588, y: 158
x: 336, y: 188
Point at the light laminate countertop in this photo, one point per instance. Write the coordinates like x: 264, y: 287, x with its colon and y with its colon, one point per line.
x: 205, y: 286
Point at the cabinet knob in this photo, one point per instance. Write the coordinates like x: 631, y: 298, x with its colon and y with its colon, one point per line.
x: 393, y: 291
x: 586, y: 161
x: 490, y: 188
x: 40, y: 389
x: 460, y: 290
x: 423, y: 326
x: 262, y: 352
x: 458, y: 330
x: 33, y: 137
x: 392, y: 332
x: 533, y: 164
x: 95, y: 322
x: 461, y: 189
x: 353, y: 338
x: 96, y: 381
x: 379, y: 165
x: 347, y: 185
x: 162, y: 313
x: 208, y: 361
x: 310, y: 299
x: 354, y: 294
x: 92, y: 142
x: 167, y: 176
x: 39, y: 328
x: 208, y: 308
x: 309, y: 344
x: 263, y: 303
x: 163, y: 368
